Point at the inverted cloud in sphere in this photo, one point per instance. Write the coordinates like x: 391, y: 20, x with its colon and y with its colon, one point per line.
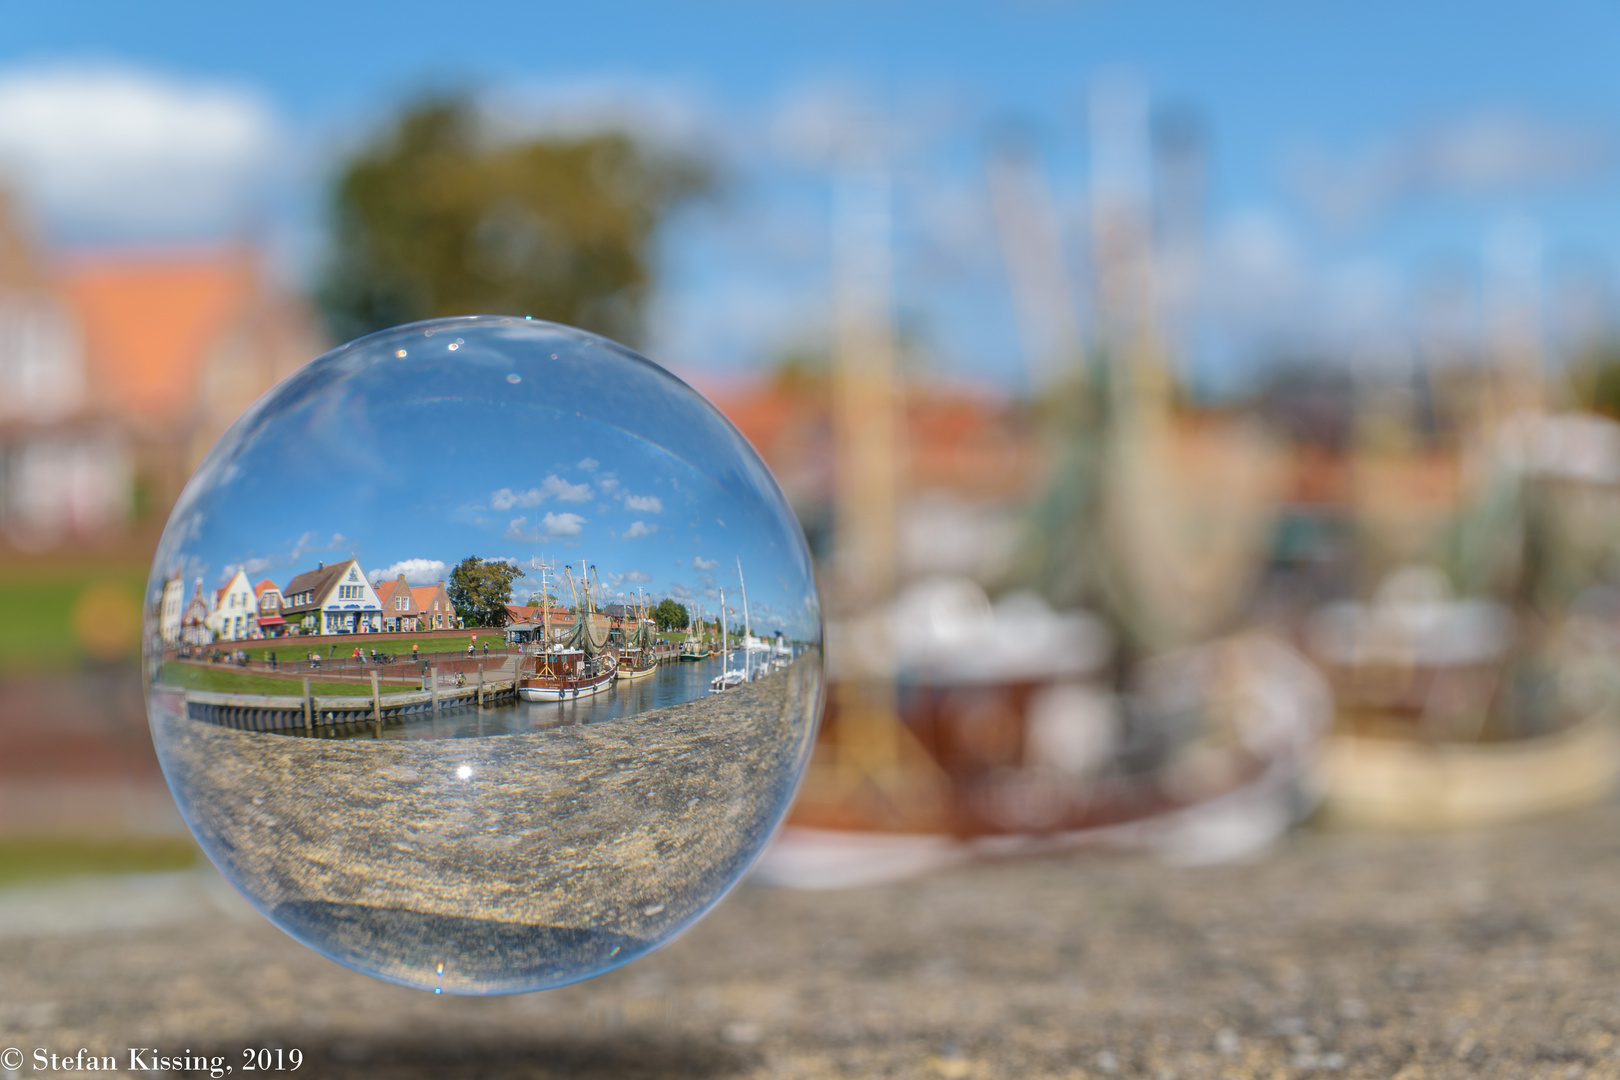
x: 562, y: 524
x: 552, y: 486
x: 647, y: 504
x: 111, y: 150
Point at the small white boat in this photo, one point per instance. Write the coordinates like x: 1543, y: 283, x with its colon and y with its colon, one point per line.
x: 727, y: 680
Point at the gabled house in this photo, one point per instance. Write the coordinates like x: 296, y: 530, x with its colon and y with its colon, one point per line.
x: 334, y: 599
x: 268, y: 596
x: 398, y: 605
x: 171, y: 609
x: 436, y: 611
x: 119, y: 368
x: 235, y: 614
x: 194, y: 619
x: 528, y: 623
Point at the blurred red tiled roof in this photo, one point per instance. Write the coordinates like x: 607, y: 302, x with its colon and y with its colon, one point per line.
x: 150, y: 318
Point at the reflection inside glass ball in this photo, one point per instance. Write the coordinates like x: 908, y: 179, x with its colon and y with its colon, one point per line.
x: 484, y: 655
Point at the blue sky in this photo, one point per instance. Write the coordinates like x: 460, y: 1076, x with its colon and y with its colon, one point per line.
x: 479, y: 441
x: 1358, y: 153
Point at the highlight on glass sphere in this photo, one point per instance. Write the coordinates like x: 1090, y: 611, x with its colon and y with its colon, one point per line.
x: 483, y: 655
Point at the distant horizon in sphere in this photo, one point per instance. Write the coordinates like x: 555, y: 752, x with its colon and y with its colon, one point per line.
x: 576, y: 787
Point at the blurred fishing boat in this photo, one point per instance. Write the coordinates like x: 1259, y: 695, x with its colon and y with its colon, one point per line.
x: 1434, y: 727
x: 1132, y: 714
x: 1010, y: 739
x: 1500, y: 705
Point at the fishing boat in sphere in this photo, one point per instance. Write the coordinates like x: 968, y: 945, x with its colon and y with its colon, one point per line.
x: 583, y: 664
x: 693, y: 646
x: 639, y: 658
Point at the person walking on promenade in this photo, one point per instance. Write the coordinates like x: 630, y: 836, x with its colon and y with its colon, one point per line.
x: 414, y: 657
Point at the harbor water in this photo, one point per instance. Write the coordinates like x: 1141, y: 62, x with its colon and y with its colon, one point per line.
x: 673, y: 683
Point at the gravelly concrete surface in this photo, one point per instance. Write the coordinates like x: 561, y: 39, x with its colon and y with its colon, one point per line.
x: 1490, y: 954
x: 502, y: 862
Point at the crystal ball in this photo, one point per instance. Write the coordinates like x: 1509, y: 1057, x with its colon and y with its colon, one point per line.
x: 483, y: 655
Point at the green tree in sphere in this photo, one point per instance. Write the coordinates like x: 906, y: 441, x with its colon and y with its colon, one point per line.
x: 435, y: 218
x: 480, y: 590
x: 669, y: 614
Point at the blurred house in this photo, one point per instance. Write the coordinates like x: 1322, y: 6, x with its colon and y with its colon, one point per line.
x: 119, y: 369
x: 971, y: 459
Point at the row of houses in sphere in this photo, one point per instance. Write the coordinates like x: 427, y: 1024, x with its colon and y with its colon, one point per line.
x: 335, y: 599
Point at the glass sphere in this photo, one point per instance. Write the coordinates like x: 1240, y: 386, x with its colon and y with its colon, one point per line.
x: 483, y: 655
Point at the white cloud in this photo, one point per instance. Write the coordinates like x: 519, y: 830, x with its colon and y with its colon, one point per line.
x: 112, y: 150
x: 562, y: 524
x: 634, y: 577
x: 636, y: 530
x: 1258, y: 276
x: 253, y: 567
x: 310, y: 543
x: 506, y: 498
x: 662, y: 113
x: 647, y: 504
x: 416, y: 571
x: 1486, y: 153
x: 608, y: 482
x: 700, y: 563
x: 552, y: 486
x: 589, y: 464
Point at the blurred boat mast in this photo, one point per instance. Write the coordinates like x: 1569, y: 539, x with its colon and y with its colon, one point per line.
x: 1027, y: 225
x: 872, y: 770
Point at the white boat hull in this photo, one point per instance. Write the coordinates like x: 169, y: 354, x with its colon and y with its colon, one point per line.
x: 729, y: 681
x: 564, y: 693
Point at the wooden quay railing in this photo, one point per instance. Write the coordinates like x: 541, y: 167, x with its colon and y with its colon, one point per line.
x: 307, y: 712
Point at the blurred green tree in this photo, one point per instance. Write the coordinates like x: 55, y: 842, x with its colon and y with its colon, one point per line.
x: 436, y: 218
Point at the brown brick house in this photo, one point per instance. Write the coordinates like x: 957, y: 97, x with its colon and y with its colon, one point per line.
x: 434, y: 607
x: 399, y: 607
